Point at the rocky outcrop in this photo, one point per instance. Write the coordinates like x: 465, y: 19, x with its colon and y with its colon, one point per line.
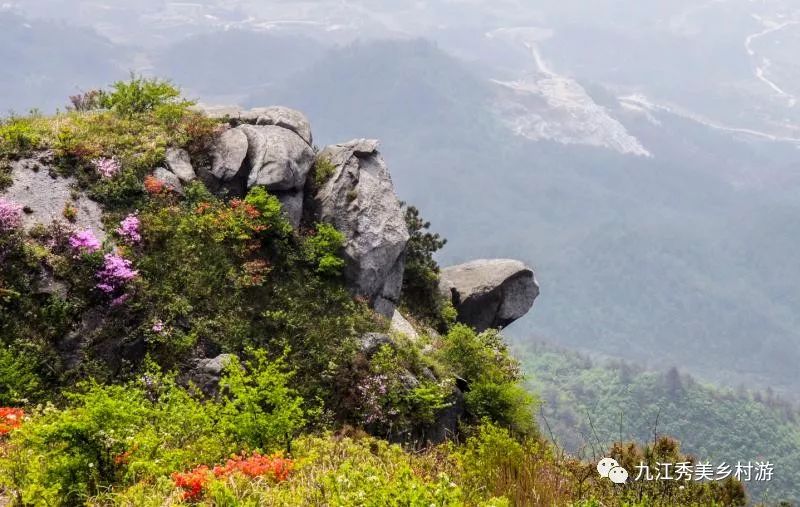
x: 372, y: 343
x: 270, y: 147
x: 180, y: 164
x: 280, y: 116
x: 359, y: 200
x: 45, y: 196
x: 277, y: 158
x: 401, y: 325
x: 446, y: 422
x: 489, y: 293
x: 228, y: 155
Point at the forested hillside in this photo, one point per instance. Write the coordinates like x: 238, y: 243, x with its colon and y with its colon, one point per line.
x: 588, y: 404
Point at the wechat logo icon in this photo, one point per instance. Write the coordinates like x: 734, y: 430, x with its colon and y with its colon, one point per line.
x: 610, y: 469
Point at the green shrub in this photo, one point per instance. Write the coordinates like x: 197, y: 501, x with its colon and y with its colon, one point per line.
x: 110, y: 435
x: 260, y: 411
x: 20, y: 380
x: 420, y: 294
x: 324, y: 169
x: 5, y: 176
x: 141, y: 95
x: 395, y: 397
x: 323, y: 250
x: 506, y: 403
x: 270, y: 210
x: 494, y: 377
x: 19, y: 136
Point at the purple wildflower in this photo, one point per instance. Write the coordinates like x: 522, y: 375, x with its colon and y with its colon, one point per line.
x: 158, y: 327
x: 373, y: 391
x: 84, y: 242
x: 116, y: 272
x: 107, y: 167
x: 10, y: 215
x: 129, y: 229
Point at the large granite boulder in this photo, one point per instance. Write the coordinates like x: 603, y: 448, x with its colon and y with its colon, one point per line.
x: 277, y: 158
x: 359, y: 200
x: 489, y: 293
x: 284, y: 117
x: 269, y: 146
x: 280, y: 160
x: 228, y: 154
x: 399, y: 324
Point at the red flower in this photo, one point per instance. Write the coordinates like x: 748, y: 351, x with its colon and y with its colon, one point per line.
x: 10, y: 419
x: 257, y: 466
x: 192, y: 482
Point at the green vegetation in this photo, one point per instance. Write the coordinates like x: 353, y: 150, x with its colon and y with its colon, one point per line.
x: 110, y: 397
x: 323, y: 171
x: 420, y: 294
x: 589, y: 406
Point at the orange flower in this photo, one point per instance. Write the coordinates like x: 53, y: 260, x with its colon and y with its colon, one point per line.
x: 153, y: 185
x: 192, y: 482
x: 10, y: 419
x: 257, y: 466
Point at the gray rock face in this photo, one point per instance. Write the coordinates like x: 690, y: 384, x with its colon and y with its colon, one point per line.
x: 280, y: 116
x: 446, y: 425
x: 44, y: 196
x: 179, y: 163
x: 489, y: 293
x: 215, y: 365
x: 292, y: 203
x: 207, y: 373
x: 228, y: 155
x: 359, y: 200
x: 284, y: 117
x: 277, y: 158
x: 400, y: 325
x: 169, y: 179
x: 269, y: 146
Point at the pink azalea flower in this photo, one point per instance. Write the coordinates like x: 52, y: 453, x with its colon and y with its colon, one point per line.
x: 115, y: 273
x: 129, y: 229
x: 84, y: 242
x: 107, y: 167
x: 10, y: 215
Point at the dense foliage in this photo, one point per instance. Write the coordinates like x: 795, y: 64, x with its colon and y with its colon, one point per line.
x: 589, y: 405
x: 420, y: 294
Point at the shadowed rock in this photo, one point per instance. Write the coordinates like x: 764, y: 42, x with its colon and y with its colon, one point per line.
x: 489, y: 293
